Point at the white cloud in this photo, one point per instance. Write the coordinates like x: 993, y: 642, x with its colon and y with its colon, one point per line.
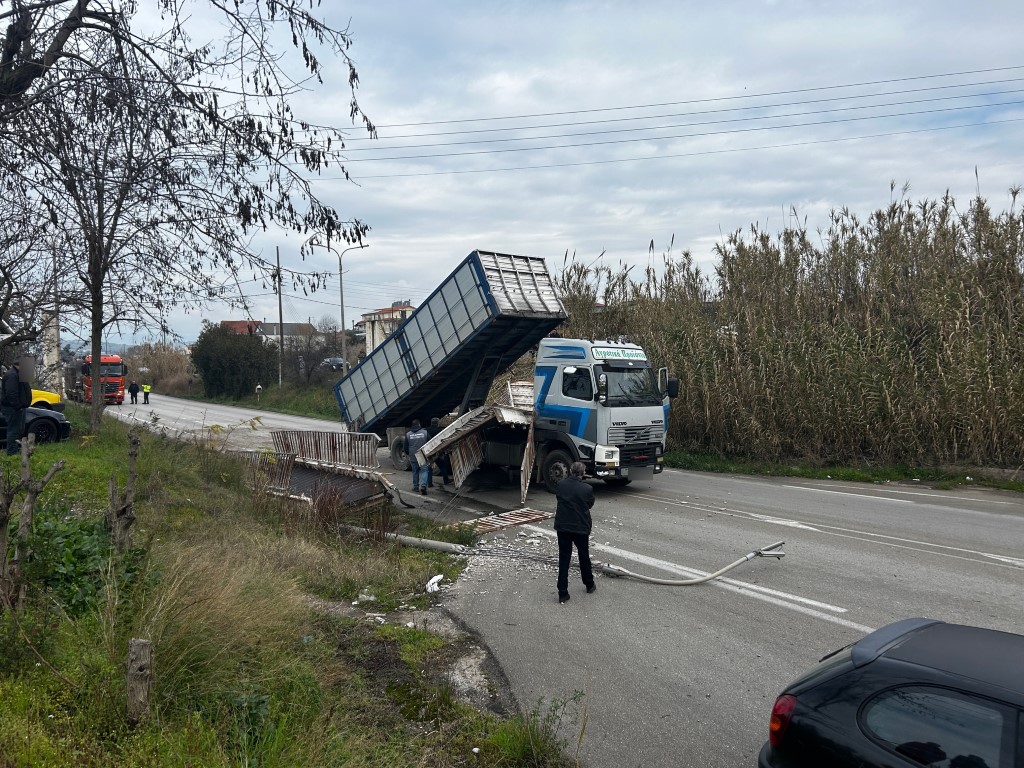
x: 425, y: 62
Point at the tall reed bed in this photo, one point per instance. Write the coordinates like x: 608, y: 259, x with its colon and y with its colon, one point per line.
x: 898, y: 339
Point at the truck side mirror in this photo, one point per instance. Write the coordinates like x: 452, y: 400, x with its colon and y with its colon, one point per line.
x: 673, y: 386
x: 602, y: 388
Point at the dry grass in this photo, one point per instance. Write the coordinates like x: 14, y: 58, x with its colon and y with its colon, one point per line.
x: 896, y: 340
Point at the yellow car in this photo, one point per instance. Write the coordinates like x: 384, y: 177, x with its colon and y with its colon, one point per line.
x: 48, y: 400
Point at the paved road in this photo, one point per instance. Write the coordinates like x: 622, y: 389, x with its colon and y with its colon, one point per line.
x: 686, y: 676
x: 219, y: 425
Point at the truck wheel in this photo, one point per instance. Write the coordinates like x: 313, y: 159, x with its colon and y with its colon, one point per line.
x: 555, y: 469
x: 399, y: 458
x: 617, y: 482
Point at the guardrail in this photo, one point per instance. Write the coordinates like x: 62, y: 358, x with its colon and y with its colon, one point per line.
x: 269, y: 471
x: 354, y: 449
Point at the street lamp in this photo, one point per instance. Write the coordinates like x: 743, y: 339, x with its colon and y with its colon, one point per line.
x: 341, y: 303
x: 341, y: 293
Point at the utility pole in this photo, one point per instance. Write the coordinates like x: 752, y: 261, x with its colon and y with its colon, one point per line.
x: 280, y: 323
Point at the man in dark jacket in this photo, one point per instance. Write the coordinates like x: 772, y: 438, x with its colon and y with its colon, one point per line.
x: 415, y: 439
x: 15, y: 397
x: 573, y: 525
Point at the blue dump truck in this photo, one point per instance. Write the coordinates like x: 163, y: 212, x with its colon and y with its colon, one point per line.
x: 599, y: 402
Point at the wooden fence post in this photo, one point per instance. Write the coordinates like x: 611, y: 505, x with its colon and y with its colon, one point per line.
x: 140, y: 679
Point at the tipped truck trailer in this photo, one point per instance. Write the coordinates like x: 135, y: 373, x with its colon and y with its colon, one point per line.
x: 490, y: 311
x: 599, y: 402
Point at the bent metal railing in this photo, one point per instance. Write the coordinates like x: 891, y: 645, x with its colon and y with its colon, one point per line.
x: 269, y: 471
x: 352, y: 449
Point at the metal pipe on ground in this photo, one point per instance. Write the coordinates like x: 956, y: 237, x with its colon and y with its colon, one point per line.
x: 412, y: 541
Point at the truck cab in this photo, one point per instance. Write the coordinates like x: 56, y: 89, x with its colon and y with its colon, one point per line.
x: 601, y: 403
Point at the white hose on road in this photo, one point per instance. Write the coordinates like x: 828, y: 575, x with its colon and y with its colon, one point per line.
x: 772, y: 550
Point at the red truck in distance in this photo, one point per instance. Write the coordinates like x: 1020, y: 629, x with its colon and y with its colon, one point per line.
x: 112, y: 374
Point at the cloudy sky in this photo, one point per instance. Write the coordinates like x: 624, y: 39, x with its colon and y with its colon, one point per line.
x: 593, y: 128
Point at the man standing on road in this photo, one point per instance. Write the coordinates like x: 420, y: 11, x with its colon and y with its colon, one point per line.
x: 133, y: 391
x: 415, y: 439
x: 573, y: 524
x: 15, y: 397
x: 145, y: 394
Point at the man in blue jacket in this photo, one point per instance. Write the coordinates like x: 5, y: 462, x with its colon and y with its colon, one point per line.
x: 573, y: 525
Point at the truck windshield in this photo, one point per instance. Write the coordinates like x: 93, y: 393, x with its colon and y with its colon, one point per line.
x: 632, y: 386
x: 106, y: 369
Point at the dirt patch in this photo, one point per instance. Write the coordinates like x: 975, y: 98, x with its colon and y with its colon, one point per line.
x: 471, y: 671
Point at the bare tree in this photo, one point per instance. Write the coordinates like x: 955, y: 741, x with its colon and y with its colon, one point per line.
x: 154, y: 167
x: 26, y: 269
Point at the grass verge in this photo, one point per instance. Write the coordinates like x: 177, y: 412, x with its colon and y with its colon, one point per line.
x: 246, y: 672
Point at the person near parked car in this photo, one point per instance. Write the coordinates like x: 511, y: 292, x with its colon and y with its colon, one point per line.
x: 15, y: 398
x: 133, y: 390
x: 145, y: 393
x: 415, y: 439
x: 573, y: 525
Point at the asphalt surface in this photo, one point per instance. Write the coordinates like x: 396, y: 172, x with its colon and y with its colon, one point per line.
x: 686, y: 676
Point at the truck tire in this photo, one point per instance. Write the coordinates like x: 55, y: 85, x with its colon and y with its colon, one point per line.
x: 617, y: 482
x: 555, y: 469
x: 399, y: 458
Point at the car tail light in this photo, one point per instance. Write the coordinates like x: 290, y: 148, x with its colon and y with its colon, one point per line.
x: 782, y: 712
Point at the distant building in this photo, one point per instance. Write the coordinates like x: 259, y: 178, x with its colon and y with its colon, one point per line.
x: 294, y: 333
x: 381, y: 323
x: 242, y: 327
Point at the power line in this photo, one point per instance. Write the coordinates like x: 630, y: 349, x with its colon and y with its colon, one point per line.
x: 702, y: 134
x: 712, y: 99
x: 776, y: 105
x: 690, y: 154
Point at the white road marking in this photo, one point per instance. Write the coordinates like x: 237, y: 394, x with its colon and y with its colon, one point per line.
x: 796, y: 603
x: 782, y: 521
x: 848, y: 493
x: 943, y: 550
x: 1003, y: 559
x: 929, y: 495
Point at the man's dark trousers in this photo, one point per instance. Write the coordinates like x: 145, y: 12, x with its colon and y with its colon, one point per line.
x: 15, y: 418
x: 565, y: 542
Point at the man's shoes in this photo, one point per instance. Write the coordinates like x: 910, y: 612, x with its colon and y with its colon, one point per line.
x: 416, y: 489
x: 423, y: 491
x: 563, y: 598
x: 592, y: 589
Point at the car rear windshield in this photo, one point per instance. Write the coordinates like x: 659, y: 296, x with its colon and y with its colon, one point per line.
x: 831, y: 664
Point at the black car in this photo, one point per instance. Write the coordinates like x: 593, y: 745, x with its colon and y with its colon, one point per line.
x: 48, y: 426
x: 914, y: 693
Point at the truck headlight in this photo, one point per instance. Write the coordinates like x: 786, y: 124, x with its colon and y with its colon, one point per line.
x: 606, y: 455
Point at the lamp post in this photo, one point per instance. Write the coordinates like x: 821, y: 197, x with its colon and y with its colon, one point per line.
x: 341, y: 293
x: 341, y: 304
